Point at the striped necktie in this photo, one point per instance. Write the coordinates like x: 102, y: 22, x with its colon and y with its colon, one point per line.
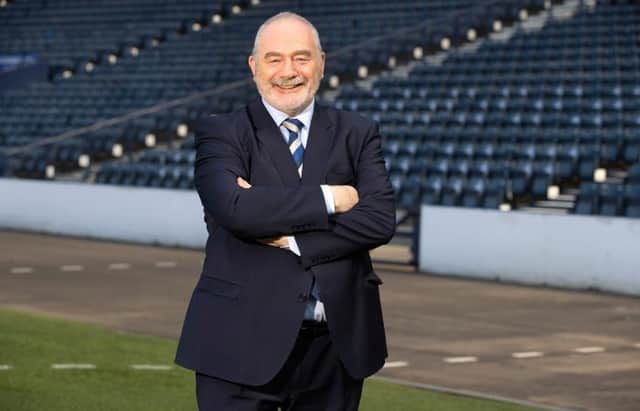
x: 294, y: 126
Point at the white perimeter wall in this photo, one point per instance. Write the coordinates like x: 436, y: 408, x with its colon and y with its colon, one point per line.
x: 569, y: 251
x: 565, y: 251
x: 146, y: 215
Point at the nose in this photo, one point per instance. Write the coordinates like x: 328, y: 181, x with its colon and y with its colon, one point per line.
x: 288, y: 69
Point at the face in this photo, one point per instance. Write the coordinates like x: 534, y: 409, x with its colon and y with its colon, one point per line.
x: 288, y: 65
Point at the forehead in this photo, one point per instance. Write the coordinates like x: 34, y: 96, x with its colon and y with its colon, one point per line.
x: 286, y: 36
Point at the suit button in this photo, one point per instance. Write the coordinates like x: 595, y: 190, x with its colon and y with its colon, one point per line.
x: 303, y: 297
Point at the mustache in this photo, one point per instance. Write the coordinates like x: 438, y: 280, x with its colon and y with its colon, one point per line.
x: 288, y: 82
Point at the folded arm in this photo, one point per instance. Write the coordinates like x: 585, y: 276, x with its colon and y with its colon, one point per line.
x: 368, y: 225
x: 262, y: 211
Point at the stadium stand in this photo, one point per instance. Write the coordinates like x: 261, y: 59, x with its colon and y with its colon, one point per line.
x: 177, y: 68
x: 508, y: 124
x: 513, y: 118
x: 74, y: 33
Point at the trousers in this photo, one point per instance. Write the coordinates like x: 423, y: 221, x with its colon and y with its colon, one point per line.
x: 312, y: 379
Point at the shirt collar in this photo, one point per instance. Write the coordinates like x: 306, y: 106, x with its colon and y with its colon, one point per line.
x: 278, y: 116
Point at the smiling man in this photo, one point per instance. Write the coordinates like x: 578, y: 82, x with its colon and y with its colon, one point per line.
x: 286, y: 313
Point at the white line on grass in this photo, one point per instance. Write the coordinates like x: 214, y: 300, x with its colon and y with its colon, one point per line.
x: 21, y: 270
x: 71, y: 268
x: 589, y: 350
x: 460, y: 360
x: 151, y: 367
x: 5, y: 367
x: 119, y: 266
x: 73, y: 366
x: 395, y: 364
x: 165, y: 264
x: 527, y: 354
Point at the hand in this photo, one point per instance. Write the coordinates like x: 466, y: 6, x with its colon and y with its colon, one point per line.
x: 280, y: 242
x: 344, y: 198
x: 243, y: 183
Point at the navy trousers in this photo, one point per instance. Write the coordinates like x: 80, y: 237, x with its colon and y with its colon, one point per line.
x: 312, y: 379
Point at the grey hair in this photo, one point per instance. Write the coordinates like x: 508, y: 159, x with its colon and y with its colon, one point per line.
x: 285, y: 15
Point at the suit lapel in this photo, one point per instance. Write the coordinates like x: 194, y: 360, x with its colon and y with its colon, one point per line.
x: 316, y: 154
x: 271, y: 138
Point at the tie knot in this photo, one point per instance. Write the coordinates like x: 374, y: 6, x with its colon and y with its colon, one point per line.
x: 293, y: 124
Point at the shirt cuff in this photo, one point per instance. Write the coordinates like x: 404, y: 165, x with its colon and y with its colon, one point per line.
x: 328, y: 199
x: 293, y: 245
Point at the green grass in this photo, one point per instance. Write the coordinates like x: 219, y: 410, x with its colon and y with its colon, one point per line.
x: 31, y: 344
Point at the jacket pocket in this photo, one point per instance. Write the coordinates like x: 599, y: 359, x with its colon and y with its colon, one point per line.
x: 218, y: 286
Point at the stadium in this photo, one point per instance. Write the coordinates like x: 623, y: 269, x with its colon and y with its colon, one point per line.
x: 511, y: 136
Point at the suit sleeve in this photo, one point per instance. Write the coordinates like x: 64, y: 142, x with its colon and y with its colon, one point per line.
x: 369, y: 224
x: 261, y: 211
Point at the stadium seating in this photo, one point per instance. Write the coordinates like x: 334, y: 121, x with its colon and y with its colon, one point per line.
x: 185, y: 60
x: 493, y: 127
x: 543, y: 108
x: 71, y: 32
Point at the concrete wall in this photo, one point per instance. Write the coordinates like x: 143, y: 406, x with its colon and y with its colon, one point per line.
x: 565, y: 251
x: 560, y: 250
x: 146, y: 215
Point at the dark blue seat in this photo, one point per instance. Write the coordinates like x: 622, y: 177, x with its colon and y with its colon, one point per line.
x: 611, y: 198
x: 452, y: 191
x: 520, y: 174
x: 495, y: 193
x: 473, y: 192
x: 587, y: 201
x: 432, y: 190
x: 632, y: 200
x: 634, y: 174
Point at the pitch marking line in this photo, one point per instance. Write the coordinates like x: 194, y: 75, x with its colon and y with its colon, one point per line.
x: 5, y: 367
x: 151, y: 367
x: 73, y: 366
x: 589, y: 350
x: 119, y: 266
x: 527, y: 355
x: 165, y: 264
x: 21, y: 270
x: 69, y: 268
x: 460, y: 360
x: 395, y: 364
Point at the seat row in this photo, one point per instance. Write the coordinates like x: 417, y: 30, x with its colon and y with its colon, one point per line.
x: 609, y: 199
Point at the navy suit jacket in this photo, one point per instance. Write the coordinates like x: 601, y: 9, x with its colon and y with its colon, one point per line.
x: 248, y: 305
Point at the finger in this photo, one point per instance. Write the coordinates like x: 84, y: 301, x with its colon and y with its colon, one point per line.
x: 243, y: 183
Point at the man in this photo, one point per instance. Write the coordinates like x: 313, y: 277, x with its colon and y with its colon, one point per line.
x: 286, y: 313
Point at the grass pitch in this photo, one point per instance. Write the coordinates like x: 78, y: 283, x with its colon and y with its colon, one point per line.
x: 29, y: 345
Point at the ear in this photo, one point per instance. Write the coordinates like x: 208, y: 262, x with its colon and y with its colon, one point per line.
x: 322, y: 59
x: 252, y: 64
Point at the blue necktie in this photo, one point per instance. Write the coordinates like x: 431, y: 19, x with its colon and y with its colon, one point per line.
x: 297, y: 152
x: 295, y: 142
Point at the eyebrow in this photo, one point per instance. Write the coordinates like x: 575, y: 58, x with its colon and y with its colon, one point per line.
x: 306, y: 53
